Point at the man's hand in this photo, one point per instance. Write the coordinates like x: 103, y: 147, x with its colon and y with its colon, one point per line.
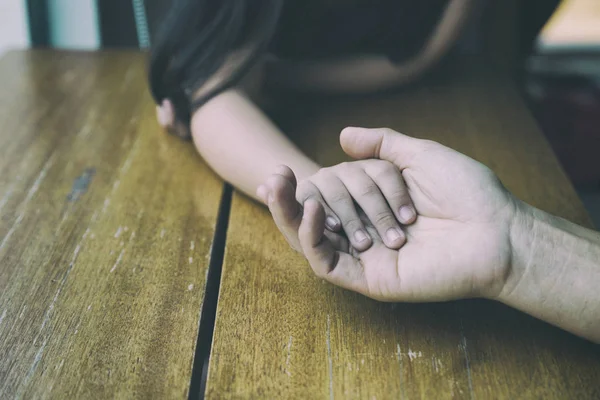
x: 459, y: 246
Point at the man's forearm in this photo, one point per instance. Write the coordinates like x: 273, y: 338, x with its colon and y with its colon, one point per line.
x: 555, y: 272
x: 242, y: 145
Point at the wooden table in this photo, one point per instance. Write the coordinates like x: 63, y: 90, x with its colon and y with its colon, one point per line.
x: 112, y: 239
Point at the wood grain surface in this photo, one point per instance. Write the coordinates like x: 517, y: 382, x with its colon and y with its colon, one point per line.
x: 105, y: 229
x: 283, y: 333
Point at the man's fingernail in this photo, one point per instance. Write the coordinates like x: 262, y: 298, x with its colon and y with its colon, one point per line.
x: 393, y: 234
x: 331, y: 222
x: 406, y: 214
x: 360, y: 236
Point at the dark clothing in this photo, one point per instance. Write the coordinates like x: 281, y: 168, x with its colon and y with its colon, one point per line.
x: 398, y: 29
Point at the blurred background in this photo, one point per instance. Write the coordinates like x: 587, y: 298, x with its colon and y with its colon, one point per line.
x: 559, y: 75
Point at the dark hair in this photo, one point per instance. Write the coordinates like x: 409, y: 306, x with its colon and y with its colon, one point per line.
x: 196, y: 38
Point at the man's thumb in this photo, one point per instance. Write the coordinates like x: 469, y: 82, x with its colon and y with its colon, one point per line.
x: 381, y: 143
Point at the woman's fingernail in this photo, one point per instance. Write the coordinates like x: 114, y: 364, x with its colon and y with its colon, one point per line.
x: 331, y: 222
x: 407, y: 214
x: 360, y: 236
x: 393, y: 234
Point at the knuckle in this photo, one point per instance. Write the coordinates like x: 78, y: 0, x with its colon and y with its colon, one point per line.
x: 339, y: 197
x: 427, y: 145
x: 386, y: 131
x: 304, y: 191
x: 399, y: 198
x: 352, y: 224
x: 369, y: 190
x: 384, y: 218
x: 323, y: 172
x: 385, y: 169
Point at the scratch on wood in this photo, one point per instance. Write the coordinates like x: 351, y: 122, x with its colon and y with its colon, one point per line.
x: 34, y: 365
x: 463, y: 343
x: 127, y: 163
x: 329, y: 359
x: 192, y: 245
x: 23, y: 312
x: 399, y: 357
x: 289, y: 355
x: 2, y: 316
x: 36, y: 185
x: 6, y: 196
x: 122, y: 170
x: 414, y: 354
x: 118, y: 261
x: 436, y: 364
x: 106, y: 204
x: 191, y: 260
x: 87, y: 129
x: 47, y: 315
x: 11, y: 231
x: 118, y: 232
x: 77, y: 327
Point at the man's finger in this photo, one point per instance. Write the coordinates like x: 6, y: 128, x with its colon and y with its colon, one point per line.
x: 327, y: 262
x: 381, y: 143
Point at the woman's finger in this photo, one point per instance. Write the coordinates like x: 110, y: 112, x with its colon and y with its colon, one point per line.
x: 368, y: 196
x: 388, y: 179
x: 340, y: 201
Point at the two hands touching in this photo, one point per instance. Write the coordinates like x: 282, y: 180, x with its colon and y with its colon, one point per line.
x: 459, y: 246
x: 471, y: 237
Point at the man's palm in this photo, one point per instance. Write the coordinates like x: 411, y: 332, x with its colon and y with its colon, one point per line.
x: 454, y: 250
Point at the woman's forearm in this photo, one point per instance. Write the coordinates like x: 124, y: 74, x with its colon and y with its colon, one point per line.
x: 242, y: 145
x: 556, y: 272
